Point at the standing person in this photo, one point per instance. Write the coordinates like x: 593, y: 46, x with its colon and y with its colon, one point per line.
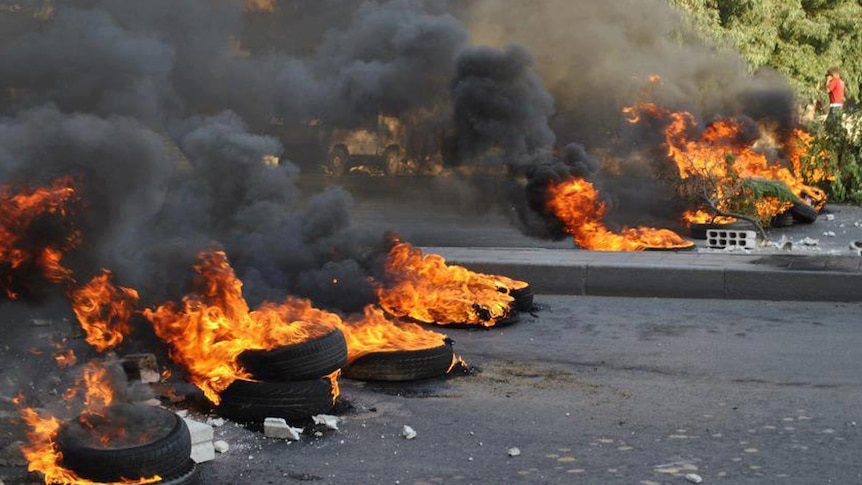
x: 835, y: 88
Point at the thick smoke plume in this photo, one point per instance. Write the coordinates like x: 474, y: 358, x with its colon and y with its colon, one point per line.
x: 173, y: 112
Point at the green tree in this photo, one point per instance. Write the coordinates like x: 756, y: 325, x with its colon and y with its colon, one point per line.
x: 800, y: 38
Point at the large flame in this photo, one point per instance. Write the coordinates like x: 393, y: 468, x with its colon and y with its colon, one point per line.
x: 576, y: 204
x: 424, y: 288
x: 104, y: 310
x: 19, y: 211
x: 211, y: 327
x: 718, y: 155
x: 373, y: 332
x: 41, y: 451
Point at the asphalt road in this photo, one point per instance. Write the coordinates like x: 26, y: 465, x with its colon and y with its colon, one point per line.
x: 603, y: 391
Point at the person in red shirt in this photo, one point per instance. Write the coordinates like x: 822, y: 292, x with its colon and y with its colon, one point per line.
x: 835, y: 88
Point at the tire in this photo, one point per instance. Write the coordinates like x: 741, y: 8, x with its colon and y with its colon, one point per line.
x: 803, y: 213
x: 188, y: 476
x: 785, y: 219
x: 402, y: 366
x: 336, y: 162
x: 697, y: 230
x: 392, y: 160
x: 253, y: 401
x: 307, y: 360
x: 523, y: 299
x: 166, y: 456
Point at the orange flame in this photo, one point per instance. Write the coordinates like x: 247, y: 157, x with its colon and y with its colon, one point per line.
x: 701, y: 216
x: 213, y: 326
x: 104, y: 310
x: 18, y: 212
x: 575, y: 203
x: 66, y: 358
x: 260, y: 5
x: 718, y: 154
x: 41, y: 451
x: 373, y: 332
x: 424, y: 288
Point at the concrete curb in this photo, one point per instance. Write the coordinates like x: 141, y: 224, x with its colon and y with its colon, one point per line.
x: 670, y: 274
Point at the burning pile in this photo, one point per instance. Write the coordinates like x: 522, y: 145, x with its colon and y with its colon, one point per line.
x: 723, y: 162
x: 213, y: 326
x: 101, y: 427
x: 27, y: 243
x: 422, y: 287
x: 575, y: 203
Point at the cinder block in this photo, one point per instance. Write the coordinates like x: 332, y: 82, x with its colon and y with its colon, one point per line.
x: 278, y: 428
x: 730, y: 238
x: 201, y: 432
x: 203, y: 452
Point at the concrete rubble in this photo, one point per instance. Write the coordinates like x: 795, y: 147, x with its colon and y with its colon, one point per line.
x: 514, y: 452
x: 327, y: 420
x: 694, y: 478
x: 278, y: 428
x: 408, y: 433
x: 141, y: 367
x: 202, y: 441
x: 221, y: 446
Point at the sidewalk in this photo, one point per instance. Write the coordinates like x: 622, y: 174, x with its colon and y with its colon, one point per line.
x: 671, y: 274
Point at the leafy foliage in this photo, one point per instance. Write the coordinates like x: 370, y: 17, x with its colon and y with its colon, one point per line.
x: 800, y: 38
x: 837, y: 150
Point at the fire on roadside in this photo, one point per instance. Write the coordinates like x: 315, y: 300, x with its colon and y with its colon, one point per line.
x: 42, y: 452
x: 719, y: 154
x: 20, y: 210
x: 576, y: 204
x: 211, y: 327
x: 423, y: 287
x: 104, y: 310
x: 701, y: 216
x: 373, y: 331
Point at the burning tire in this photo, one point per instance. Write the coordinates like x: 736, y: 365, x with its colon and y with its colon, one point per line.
x: 400, y: 366
x: 785, y: 219
x: 252, y: 401
x: 523, y: 299
x: 803, y: 213
x: 187, y: 476
x: 307, y: 360
x: 157, y: 442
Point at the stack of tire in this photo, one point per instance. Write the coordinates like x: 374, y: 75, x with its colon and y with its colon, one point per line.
x: 156, y: 443
x: 290, y: 382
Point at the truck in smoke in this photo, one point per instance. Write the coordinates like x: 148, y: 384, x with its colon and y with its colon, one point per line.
x: 387, y: 146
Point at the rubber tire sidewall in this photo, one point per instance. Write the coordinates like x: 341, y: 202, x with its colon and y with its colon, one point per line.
x: 164, y: 457
x: 303, y: 361
x: 402, y: 366
x: 254, y: 401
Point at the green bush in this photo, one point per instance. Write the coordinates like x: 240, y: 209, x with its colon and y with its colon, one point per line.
x: 837, y: 150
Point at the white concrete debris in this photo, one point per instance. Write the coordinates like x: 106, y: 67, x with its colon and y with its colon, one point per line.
x: 318, y: 434
x: 327, y: 420
x: 514, y: 452
x: 141, y: 367
x: 693, y: 478
x: 217, y: 422
x: 40, y: 322
x: 202, y: 439
x: 221, y: 446
x: 203, y: 452
x: 810, y: 242
x: 201, y: 432
x: 830, y: 217
x: 408, y: 433
x: 278, y: 428
x: 829, y: 234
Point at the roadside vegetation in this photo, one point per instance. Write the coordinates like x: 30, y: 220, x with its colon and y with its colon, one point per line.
x: 801, y: 39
